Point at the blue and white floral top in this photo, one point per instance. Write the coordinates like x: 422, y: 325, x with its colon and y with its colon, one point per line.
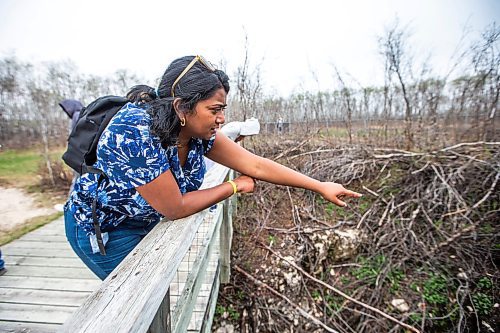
x: 131, y: 156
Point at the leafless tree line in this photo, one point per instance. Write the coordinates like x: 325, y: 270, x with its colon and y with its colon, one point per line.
x: 29, y: 98
x: 461, y: 104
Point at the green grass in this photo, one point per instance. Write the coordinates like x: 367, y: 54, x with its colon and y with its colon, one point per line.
x: 19, y: 167
x: 15, y: 164
x: 232, y: 313
x: 370, y: 268
x: 436, y: 289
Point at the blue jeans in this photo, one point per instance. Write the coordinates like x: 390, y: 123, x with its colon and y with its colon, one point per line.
x: 122, y: 240
x: 2, y: 262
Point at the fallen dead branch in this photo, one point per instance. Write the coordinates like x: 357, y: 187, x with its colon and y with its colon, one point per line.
x: 300, y: 310
x: 337, y: 291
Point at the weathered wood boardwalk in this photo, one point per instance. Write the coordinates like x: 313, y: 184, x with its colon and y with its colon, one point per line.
x: 46, y: 282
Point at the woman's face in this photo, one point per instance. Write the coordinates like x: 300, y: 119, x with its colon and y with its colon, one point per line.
x: 207, y: 117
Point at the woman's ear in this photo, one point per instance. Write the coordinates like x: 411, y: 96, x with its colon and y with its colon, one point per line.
x: 176, y: 104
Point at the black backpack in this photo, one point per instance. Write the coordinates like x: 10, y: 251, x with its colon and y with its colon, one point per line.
x: 81, y: 153
x: 82, y: 142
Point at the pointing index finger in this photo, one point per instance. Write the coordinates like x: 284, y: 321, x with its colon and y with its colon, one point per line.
x: 352, y: 194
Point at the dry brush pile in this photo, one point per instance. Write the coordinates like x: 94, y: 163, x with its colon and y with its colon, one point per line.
x: 419, y: 251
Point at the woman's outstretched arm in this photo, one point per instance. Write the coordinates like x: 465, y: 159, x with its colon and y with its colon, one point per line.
x: 232, y: 155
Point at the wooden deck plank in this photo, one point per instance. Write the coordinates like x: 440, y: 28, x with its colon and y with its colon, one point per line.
x: 31, y: 244
x: 52, y: 272
x: 42, y: 283
x: 48, y: 253
x: 43, y: 297
x: 20, y: 327
x: 55, y: 228
x: 45, y: 238
x: 42, y: 261
x: 45, y: 314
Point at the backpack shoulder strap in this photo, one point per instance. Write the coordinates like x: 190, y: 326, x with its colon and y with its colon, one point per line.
x: 95, y: 221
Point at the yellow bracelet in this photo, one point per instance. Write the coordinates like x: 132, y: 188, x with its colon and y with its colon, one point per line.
x: 233, y: 184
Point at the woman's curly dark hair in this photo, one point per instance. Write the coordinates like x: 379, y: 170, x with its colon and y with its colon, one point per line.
x: 198, y: 84
x: 141, y: 94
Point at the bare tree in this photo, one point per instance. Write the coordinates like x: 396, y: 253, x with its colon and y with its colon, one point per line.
x: 486, y: 64
x: 394, y: 48
x: 428, y: 95
x: 248, y: 85
x: 365, y: 111
x: 39, y: 99
x: 348, y: 102
x: 387, y: 109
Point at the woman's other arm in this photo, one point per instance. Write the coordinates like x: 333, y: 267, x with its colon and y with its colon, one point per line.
x: 164, y: 196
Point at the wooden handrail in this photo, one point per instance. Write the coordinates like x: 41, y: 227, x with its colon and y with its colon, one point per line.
x: 135, y: 296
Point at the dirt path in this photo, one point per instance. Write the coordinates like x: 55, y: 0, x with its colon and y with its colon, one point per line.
x: 16, y: 207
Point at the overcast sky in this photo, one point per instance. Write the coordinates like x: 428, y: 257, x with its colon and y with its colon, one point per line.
x: 290, y: 39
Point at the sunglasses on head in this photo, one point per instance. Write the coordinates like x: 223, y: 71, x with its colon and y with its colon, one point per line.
x: 202, y: 61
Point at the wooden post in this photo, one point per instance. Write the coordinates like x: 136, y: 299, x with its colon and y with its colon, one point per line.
x: 162, y: 322
x: 226, y: 237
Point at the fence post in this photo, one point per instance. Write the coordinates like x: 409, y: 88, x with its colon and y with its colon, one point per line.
x: 226, y: 236
x: 162, y: 321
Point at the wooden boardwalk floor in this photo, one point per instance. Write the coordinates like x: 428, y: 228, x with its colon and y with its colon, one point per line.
x: 46, y: 282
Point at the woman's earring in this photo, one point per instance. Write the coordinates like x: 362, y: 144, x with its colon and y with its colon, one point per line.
x: 183, y: 122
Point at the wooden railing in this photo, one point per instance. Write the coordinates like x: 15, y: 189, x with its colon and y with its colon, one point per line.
x: 137, y: 295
